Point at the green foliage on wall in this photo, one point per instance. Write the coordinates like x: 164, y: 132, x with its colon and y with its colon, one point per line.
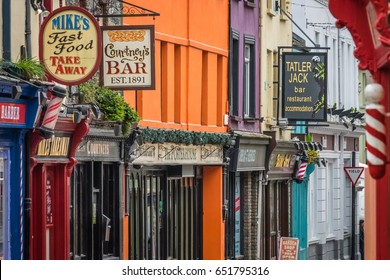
x: 185, y: 137
x: 24, y: 68
x: 110, y: 102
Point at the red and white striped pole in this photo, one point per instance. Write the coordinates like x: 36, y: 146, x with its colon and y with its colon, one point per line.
x: 302, y: 170
x: 375, y: 130
x: 51, y: 115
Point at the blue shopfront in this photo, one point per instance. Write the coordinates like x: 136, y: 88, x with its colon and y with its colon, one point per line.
x: 19, y: 107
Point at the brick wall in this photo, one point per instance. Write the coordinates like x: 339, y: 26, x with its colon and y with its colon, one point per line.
x: 249, y: 206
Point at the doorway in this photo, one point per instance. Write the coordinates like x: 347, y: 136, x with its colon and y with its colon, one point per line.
x: 94, y: 211
x: 4, y: 200
x: 165, y: 216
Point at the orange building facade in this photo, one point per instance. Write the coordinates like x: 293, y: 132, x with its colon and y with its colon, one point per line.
x: 174, y: 193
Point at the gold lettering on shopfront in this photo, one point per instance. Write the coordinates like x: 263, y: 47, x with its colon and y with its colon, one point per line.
x: 282, y: 160
x: 55, y: 146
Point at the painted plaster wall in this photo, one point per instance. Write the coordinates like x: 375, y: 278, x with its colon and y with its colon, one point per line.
x: 275, y: 31
x: 245, y: 21
x: 191, y: 66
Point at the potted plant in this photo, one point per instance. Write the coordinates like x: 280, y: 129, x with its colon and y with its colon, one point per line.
x: 24, y: 68
x: 115, y: 111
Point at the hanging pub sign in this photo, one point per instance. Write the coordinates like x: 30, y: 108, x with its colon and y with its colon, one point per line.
x: 304, y: 87
x: 128, y: 57
x: 70, y: 45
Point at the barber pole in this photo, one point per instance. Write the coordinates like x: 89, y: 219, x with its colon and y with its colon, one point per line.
x: 302, y: 170
x: 375, y: 130
x: 21, y: 204
x: 51, y: 115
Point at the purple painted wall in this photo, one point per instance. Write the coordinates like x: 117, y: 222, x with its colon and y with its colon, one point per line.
x: 245, y: 20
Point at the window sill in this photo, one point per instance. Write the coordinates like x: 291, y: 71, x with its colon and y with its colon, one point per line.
x: 236, y: 118
x: 330, y: 237
x: 250, y: 4
x: 314, y: 241
x: 271, y: 12
x: 250, y: 119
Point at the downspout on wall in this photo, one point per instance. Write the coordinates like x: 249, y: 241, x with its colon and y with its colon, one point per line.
x: 28, y: 29
x: 6, y: 15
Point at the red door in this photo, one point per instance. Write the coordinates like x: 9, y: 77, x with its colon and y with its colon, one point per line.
x: 50, y: 212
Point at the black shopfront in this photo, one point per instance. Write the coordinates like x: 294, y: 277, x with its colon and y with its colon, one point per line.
x: 96, y: 187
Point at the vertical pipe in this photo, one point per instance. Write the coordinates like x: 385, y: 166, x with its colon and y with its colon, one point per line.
x: 353, y: 210
x: 6, y: 15
x: 259, y: 212
x: 28, y: 29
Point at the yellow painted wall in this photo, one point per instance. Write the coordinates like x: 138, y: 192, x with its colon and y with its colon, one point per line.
x: 275, y: 31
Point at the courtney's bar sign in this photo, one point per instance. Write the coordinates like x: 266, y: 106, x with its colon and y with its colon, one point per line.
x: 128, y: 57
x: 12, y: 113
x: 304, y: 86
x: 70, y: 45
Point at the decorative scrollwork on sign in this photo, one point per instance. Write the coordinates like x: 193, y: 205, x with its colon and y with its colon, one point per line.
x: 126, y: 36
x: 131, y: 10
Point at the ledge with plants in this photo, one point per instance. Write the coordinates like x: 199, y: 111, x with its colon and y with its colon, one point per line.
x: 114, y: 109
x: 24, y: 68
x: 185, y: 137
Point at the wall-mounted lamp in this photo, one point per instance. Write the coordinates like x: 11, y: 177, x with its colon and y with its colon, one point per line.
x: 39, y: 8
x: 16, y: 92
x: 344, y: 121
x: 337, y: 111
x: 77, y: 116
x: 45, y: 12
x: 345, y: 113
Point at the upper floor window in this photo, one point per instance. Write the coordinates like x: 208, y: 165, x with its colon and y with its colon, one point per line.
x: 249, y: 78
x: 234, y: 65
x: 250, y: 3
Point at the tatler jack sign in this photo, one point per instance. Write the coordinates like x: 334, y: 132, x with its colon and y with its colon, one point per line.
x: 70, y: 45
x: 128, y: 57
x: 304, y: 87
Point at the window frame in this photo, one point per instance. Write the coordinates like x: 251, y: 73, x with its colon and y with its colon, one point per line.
x: 234, y: 73
x: 249, y: 81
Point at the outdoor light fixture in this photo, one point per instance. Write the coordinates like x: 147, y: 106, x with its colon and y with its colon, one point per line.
x: 323, y: 162
x: 352, y: 115
x: 359, y: 116
x: 36, y: 8
x: 344, y: 121
x: 77, y: 116
x: 45, y: 12
x: 337, y: 111
x: 345, y: 113
x: 16, y: 92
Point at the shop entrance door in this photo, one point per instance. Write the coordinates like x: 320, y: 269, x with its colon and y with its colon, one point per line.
x: 95, y: 209
x: 277, y: 211
x: 165, y: 217
x: 4, y: 191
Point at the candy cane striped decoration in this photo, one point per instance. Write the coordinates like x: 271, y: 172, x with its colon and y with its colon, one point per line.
x: 51, y: 115
x: 375, y: 130
x: 21, y: 204
x: 302, y: 170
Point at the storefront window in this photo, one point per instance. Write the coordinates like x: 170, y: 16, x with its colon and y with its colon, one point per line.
x: 3, y: 205
x: 237, y: 203
x: 165, y: 217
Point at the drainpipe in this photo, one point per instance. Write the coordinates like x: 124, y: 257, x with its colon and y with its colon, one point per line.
x: 259, y: 212
x: 28, y: 29
x: 6, y: 14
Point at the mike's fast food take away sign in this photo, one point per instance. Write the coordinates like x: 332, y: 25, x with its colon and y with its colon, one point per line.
x: 70, y: 45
